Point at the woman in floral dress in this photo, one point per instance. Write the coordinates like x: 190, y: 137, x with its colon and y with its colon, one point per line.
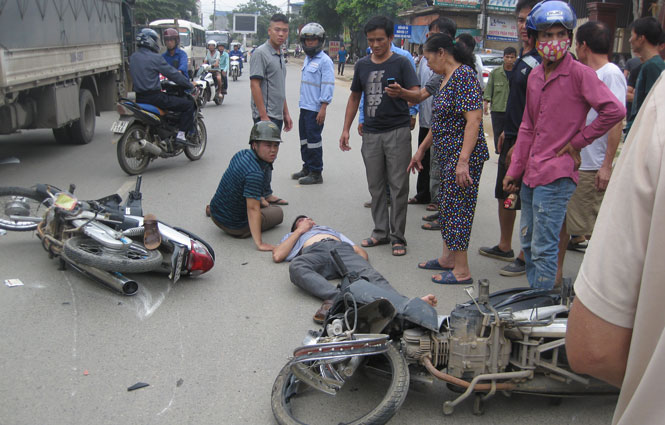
x: 459, y: 143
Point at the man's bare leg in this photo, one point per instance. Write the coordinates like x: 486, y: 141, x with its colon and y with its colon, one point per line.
x: 506, y: 227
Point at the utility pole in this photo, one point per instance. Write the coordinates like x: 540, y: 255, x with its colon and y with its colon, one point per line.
x: 214, y: 12
x: 483, y: 13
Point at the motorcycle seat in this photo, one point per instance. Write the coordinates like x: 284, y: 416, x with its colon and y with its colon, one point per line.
x: 152, y: 108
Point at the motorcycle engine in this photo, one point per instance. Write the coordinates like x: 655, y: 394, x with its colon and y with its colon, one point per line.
x: 419, y: 342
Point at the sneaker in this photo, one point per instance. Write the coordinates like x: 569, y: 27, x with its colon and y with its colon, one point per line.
x: 516, y: 268
x: 300, y: 174
x: 495, y: 252
x: 312, y: 178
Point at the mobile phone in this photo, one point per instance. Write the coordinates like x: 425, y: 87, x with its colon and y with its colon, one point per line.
x: 390, y: 81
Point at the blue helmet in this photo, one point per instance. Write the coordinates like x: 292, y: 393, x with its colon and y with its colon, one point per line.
x: 148, y: 38
x: 552, y: 12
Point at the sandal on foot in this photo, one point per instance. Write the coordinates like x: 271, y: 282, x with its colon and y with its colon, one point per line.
x: 278, y: 201
x: 448, y: 278
x: 432, y: 225
x: 577, y: 246
x: 431, y: 217
x: 399, y: 249
x: 415, y: 200
x: 370, y: 242
x: 433, y: 265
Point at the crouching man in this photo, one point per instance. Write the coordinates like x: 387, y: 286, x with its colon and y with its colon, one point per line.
x: 239, y: 207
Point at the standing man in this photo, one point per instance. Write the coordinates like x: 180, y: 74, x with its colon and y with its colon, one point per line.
x: 594, y: 43
x: 223, y: 66
x: 388, y: 82
x: 239, y: 207
x: 496, y: 93
x: 267, y: 81
x: 560, y: 90
x: 174, y: 55
x: 645, y: 35
x: 341, y: 59
x: 316, y: 92
x: 529, y: 59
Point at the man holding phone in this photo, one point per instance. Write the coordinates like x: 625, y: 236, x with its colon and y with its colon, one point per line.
x: 388, y: 82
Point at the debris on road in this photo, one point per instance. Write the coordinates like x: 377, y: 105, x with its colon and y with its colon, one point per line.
x: 137, y: 386
x: 13, y: 282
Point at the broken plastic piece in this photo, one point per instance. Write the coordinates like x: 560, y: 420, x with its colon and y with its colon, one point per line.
x: 137, y: 386
x: 13, y: 282
x: 85, y: 372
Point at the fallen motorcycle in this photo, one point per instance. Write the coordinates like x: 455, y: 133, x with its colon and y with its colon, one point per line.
x: 146, y: 132
x: 102, y: 238
x: 357, y: 369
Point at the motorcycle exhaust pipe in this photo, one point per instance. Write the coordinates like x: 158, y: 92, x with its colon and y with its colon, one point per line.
x: 115, y: 280
x: 150, y: 148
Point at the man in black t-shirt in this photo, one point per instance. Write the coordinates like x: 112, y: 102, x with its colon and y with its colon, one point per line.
x: 388, y: 82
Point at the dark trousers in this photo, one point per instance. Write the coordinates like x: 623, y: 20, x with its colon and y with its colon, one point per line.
x: 340, y: 68
x: 422, y: 184
x: 311, y: 145
x: 171, y: 103
x: 267, y: 189
x: 498, y: 119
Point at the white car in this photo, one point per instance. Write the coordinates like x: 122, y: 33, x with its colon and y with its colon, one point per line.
x: 490, y: 61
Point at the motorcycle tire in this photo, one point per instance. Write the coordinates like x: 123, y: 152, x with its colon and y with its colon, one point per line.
x: 89, y: 252
x: 18, y: 201
x: 235, y: 76
x: 132, y: 159
x: 282, y: 393
x: 202, y: 140
x: 206, y: 97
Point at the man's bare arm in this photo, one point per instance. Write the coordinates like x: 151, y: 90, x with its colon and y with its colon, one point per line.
x: 358, y: 250
x: 257, y: 95
x: 349, y: 115
x: 605, y: 172
x: 254, y: 218
x: 596, y: 347
x: 282, y: 250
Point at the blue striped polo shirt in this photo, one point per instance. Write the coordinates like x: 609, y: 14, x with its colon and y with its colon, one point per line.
x: 243, y: 179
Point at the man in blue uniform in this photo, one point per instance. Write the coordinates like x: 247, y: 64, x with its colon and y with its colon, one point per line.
x: 174, y: 55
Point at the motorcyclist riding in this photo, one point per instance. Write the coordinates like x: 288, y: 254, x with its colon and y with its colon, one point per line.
x: 174, y: 55
x: 145, y: 65
x: 223, y: 66
x: 237, y: 52
x: 213, y: 58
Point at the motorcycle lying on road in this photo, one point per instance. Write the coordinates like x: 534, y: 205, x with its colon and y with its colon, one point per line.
x: 357, y: 369
x: 207, y: 85
x: 234, y: 69
x: 102, y: 238
x: 146, y: 132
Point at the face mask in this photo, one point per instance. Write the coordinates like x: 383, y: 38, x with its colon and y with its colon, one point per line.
x: 553, y: 50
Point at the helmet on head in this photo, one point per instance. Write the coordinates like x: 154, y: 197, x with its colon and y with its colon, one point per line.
x: 548, y: 13
x: 312, y: 31
x: 172, y: 34
x: 213, y: 42
x: 265, y: 131
x: 148, y: 38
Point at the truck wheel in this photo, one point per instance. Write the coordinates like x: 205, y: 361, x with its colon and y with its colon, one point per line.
x: 83, y: 129
x: 63, y: 135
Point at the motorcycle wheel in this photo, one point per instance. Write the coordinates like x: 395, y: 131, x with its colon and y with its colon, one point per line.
x: 359, y: 401
x: 201, y: 139
x: 17, y: 201
x: 206, y: 97
x: 235, y: 76
x: 132, y: 159
x: 89, y: 252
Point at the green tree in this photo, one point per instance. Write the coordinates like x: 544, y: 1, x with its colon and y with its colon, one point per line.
x: 146, y: 11
x: 261, y: 7
x: 324, y: 12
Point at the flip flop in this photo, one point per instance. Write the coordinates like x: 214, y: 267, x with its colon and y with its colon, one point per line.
x: 278, y: 201
x: 152, y: 239
x: 434, y: 265
x: 432, y: 225
x: 431, y: 217
x: 448, y: 278
x: 432, y: 207
x: 369, y: 242
x: 397, y: 247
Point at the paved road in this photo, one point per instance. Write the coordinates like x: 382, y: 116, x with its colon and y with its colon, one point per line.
x: 209, y: 347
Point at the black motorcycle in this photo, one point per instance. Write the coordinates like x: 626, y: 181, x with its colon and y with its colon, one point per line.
x: 147, y: 132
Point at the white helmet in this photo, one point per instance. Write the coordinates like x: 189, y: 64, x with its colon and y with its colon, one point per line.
x: 213, y: 42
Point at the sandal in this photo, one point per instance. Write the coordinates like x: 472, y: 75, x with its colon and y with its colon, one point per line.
x: 432, y: 225
x: 448, y: 278
x: 399, y: 249
x: 431, y: 217
x: 415, y: 200
x: 370, y: 242
x: 432, y: 207
x: 278, y: 201
x: 152, y: 239
x: 433, y: 265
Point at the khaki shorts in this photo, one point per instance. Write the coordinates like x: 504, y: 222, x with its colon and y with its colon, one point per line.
x: 584, y: 205
x: 271, y: 216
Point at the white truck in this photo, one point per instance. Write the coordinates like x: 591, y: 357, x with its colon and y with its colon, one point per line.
x: 61, y: 63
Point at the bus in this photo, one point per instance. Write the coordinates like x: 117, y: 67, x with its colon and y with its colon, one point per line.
x: 192, y: 40
x: 223, y: 37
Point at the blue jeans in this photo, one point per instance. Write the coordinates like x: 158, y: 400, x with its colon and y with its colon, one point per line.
x: 311, y: 146
x: 543, y: 212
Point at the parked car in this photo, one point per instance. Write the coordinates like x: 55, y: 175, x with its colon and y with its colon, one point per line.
x: 490, y: 61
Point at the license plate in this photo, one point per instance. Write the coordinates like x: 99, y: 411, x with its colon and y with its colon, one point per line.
x: 119, y: 126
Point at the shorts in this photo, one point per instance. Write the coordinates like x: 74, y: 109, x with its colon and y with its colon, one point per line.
x: 584, y: 205
x: 502, y: 169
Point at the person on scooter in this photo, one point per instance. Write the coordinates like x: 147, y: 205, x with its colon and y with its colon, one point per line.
x: 145, y: 65
x: 213, y: 59
x: 174, y: 55
x: 308, y: 247
x: 239, y: 206
x: 237, y: 52
x: 223, y: 66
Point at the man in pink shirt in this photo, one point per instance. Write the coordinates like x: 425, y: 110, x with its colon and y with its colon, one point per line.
x: 560, y: 93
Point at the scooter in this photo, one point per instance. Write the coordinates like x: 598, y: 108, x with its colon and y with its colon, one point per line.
x: 207, y: 85
x: 235, y: 67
